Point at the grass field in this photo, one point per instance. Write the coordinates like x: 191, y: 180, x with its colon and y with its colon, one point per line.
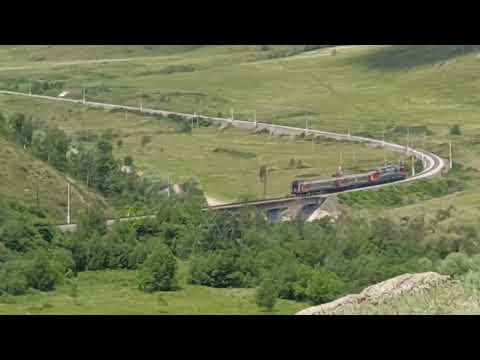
x: 364, y: 89
x: 116, y: 292
x: 225, y: 162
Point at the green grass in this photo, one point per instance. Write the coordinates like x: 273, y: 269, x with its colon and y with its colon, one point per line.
x: 116, y: 292
x: 225, y: 162
x: 362, y: 89
x: 20, y: 173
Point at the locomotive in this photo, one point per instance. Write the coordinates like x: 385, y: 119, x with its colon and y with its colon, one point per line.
x: 383, y: 175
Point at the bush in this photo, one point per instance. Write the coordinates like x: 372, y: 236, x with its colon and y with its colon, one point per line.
x: 62, y: 261
x: 455, y: 264
x: 218, y: 270
x: 42, y: 275
x: 128, y: 160
x: 13, y: 278
x: 267, y: 294
x: 324, y: 287
x: 158, y: 272
x: 138, y: 256
x: 424, y: 264
x: 455, y: 130
x: 146, y: 140
x: 4, y: 253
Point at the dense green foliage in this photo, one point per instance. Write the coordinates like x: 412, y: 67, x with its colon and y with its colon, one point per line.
x: 158, y: 272
x: 267, y: 294
x: 96, y: 166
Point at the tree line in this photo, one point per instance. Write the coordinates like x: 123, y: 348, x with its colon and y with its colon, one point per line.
x: 309, y: 262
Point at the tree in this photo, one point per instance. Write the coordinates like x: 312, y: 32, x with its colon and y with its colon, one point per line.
x: 267, y: 294
x: 158, y: 272
x: 106, y: 169
x: 119, y: 143
x: 92, y: 221
x: 263, y: 175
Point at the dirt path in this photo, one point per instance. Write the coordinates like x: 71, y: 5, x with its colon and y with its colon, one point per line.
x: 47, y: 65
x: 214, y: 202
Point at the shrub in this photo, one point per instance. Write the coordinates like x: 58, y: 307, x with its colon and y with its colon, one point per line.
x: 138, y: 256
x: 424, y: 264
x: 324, y: 286
x: 62, y: 261
x: 146, y: 140
x: 13, y: 278
x: 128, y: 160
x: 267, y: 294
x: 218, y: 270
x: 455, y: 264
x: 158, y: 272
x: 455, y: 130
x: 42, y: 275
x: 4, y: 253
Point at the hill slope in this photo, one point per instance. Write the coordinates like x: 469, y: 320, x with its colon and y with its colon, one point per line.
x: 19, y: 175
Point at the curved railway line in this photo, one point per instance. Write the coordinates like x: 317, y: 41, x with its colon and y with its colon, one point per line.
x: 432, y: 164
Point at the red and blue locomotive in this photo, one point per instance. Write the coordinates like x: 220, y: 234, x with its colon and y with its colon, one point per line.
x: 383, y: 175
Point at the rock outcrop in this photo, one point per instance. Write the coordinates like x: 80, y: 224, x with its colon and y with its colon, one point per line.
x: 379, y: 293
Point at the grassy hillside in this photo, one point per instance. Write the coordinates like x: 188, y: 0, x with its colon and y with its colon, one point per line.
x: 225, y: 162
x: 116, y: 292
x: 364, y: 89
x: 20, y: 174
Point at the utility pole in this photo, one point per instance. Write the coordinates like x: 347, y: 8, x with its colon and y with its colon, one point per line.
x: 408, y: 141
x: 255, y: 117
x: 383, y: 137
x: 141, y: 102
x: 349, y: 136
x: 38, y: 196
x: 30, y: 88
x: 231, y: 119
x: 83, y: 95
x: 168, y: 188
x: 413, y: 165
x: 68, y: 203
x: 306, y: 127
x: 450, y: 154
x: 340, y: 167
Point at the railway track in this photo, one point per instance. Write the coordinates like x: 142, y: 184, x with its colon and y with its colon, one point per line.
x: 432, y: 163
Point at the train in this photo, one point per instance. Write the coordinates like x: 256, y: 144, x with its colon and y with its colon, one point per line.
x: 379, y: 176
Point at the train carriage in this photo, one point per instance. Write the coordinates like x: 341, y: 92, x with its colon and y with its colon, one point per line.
x: 324, y: 186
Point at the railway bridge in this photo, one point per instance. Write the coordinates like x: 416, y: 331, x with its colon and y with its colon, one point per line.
x: 278, y: 209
